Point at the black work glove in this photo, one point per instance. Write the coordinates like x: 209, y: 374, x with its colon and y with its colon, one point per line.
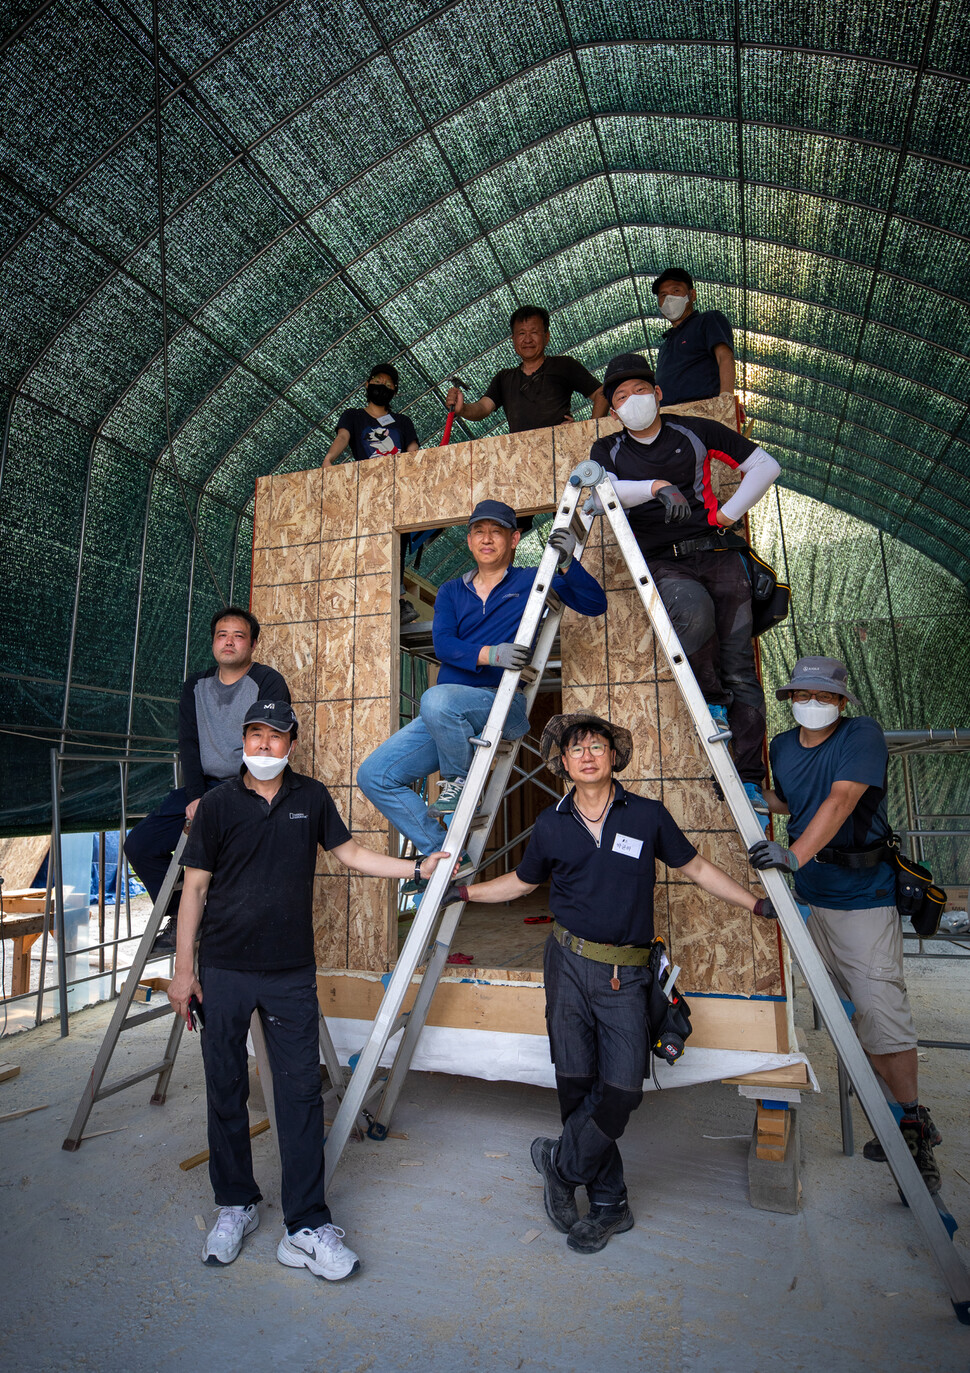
x: 509, y: 655
x: 765, y: 909
x: 769, y: 854
x: 456, y: 892
x: 563, y: 541
x: 675, y: 503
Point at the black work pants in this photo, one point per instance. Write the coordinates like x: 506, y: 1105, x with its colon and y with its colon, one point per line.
x: 287, y: 1003
x: 708, y: 599
x: 598, y: 1041
x: 150, y: 844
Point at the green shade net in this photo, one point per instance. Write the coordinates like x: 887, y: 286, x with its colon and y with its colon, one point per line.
x: 346, y: 184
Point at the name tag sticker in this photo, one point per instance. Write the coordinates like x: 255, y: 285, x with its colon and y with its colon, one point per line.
x: 624, y: 844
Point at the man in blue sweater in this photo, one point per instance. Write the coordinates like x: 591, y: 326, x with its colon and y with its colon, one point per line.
x: 475, y: 621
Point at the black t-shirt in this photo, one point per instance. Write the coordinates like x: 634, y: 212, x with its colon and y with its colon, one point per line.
x: 370, y: 438
x: 686, y: 366
x: 604, y: 892
x: 259, y: 908
x: 681, y: 453
x: 542, y: 399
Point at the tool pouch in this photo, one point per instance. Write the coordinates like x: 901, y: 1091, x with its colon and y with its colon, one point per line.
x: 770, y: 598
x: 916, y: 897
x: 668, y: 1022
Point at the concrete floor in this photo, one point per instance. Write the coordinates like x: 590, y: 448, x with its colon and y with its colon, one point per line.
x: 99, y: 1254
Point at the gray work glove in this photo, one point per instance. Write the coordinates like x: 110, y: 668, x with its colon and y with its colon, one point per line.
x: 675, y: 503
x: 591, y: 506
x: 453, y: 894
x: 509, y: 655
x: 769, y: 854
x: 563, y: 541
x: 765, y: 909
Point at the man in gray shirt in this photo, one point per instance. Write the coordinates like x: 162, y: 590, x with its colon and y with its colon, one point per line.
x: 212, y: 708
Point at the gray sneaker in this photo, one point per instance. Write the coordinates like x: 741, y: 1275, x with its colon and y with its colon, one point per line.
x: 321, y: 1250
x: 224, y: 1240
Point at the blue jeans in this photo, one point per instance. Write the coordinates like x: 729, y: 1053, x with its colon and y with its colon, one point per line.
x: 598, y: 1042
x: 436, y: 741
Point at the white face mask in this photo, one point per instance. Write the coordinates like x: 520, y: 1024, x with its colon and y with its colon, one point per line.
x: 264, y: 767
x: 638, y: 412
x: 672, y: 307
x: 814, y: 714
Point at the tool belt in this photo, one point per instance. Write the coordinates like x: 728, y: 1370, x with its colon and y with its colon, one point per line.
x: 858, y: 859
x: 770, y: 599
x: 917, y: 899
x: 618, y: 955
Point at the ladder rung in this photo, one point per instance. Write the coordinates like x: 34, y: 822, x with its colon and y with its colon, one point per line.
x: 477, y: 742
x: 130, y: 1081
x: 554, y: 603
x: 480, y: 822
x: 529, y: 674
x: 144, y: 1016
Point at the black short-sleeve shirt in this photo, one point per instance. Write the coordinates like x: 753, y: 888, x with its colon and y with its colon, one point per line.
x: 604, y: 891
x: 686, y: 365
x: 259, y: 908
x: 681, y: 453
x: 370, y: 438
x: 542, y: 399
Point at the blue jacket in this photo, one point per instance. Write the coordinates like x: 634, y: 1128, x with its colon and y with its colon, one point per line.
x: 463, y: 624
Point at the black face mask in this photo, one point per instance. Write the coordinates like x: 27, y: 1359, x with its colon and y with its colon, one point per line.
x: 379, y: 394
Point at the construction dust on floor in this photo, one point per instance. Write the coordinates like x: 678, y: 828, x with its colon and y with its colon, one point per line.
x: 461, y: 1270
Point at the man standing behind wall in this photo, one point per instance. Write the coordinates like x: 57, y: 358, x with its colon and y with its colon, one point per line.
x: 696, y: 358
x: 212, y: 708
x: 538, y: 392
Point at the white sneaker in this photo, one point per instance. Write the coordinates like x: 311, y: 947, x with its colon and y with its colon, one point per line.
x: 224, y: 1240
x: 319, y: 1250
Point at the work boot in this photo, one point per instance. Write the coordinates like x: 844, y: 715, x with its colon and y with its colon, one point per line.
x: 165, y: 939
x: 917, y: 1137
x: 559, y: 1196
x: 447, y: 802
x: 592, y: 1233
x: 408, y: 612
x: 875, y: 1153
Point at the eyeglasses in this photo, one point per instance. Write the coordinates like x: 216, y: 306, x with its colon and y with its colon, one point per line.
x: 827, y: 698
x: 595, y: 750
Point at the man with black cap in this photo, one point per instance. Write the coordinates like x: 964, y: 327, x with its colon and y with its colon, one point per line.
x: 598, y: 848
x: 539, y: 391
x: 249, y: 865
x: 476, y: 618
x: 661, y: 469
x: 696, y: 357
x: 830, y: 780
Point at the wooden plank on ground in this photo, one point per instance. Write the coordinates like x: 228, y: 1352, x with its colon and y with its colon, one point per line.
x: 9, y: 1070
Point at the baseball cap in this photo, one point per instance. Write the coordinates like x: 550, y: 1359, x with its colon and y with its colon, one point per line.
x: 494, y: 510
x: 277, y: 714
x: 673, y: 274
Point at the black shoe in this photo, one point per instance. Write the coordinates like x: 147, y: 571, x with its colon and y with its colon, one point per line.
x: 408, y: 613
x: 592, y: 1233
x: 559, y: 1196
x: 165, y: 939
x: 917, y: 1137
x: 875, y: 1153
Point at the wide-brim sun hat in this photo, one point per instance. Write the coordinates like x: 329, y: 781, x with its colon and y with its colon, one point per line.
x: 550, y: 745
x: 818, y: 674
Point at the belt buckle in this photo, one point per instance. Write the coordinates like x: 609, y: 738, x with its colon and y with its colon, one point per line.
x: 579, y: 946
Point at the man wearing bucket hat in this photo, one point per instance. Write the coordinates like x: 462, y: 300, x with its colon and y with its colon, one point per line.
x: 249, y: 866
x: 598, y: 847
x: 830, y: 780
x: 661, y: 469
x: 476, y: 618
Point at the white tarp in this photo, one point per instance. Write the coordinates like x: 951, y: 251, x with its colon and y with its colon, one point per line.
x: 498, y: 1056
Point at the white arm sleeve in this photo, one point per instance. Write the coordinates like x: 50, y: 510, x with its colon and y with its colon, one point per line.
x: 760, y: 470
x: 628, y: 493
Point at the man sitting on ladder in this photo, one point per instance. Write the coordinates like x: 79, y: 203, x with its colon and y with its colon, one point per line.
x: 212, y: 708
x: 598, y: 847
x: 475, y: 620
x: 249, y: 865
x: 661, y: 469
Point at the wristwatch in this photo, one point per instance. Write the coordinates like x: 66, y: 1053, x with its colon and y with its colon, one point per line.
x: 417, y: 870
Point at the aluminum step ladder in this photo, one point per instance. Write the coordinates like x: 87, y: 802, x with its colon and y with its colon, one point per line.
x: 96, y: 1090
x: 590, y: 475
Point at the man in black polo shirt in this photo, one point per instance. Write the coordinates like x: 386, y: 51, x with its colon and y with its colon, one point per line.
x: 538, y: 392
x: 661, y: 469
x: 599, y: 848
x: 249, y: 865
x: 696, y: 357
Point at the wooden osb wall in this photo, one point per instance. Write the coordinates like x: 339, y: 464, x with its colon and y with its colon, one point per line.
x: 324, y: 588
